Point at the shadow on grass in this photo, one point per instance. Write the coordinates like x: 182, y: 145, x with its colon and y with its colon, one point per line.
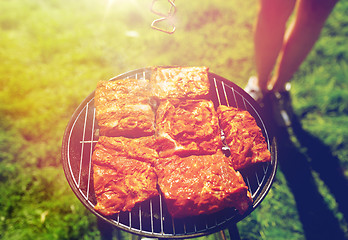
x: 318, y: 221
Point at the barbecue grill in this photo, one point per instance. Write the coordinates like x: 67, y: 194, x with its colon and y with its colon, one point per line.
x: 151, y: 218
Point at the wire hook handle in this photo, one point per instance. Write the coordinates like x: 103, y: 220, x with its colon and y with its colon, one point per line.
x: 165, y: 17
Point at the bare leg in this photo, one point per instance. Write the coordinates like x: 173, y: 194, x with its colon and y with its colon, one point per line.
x: 269, y: 36
x: 300, y: 37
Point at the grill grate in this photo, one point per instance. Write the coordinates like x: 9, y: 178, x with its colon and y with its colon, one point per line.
x: 151, y: 217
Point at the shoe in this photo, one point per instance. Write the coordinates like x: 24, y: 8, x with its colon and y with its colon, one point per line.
x: 283, y: 107
x: 278, y: 107
x: 253, y: 89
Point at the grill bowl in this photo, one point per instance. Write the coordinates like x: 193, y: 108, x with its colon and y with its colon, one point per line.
x: 151, y: 218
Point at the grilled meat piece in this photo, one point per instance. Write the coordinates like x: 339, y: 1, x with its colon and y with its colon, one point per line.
x: 121, y: 178
x: 186, y: 127
x: 141, y: 149
x: 243, y: 136
x: 180, y: 82
x: 201, y: 184
x: 122, y: 91
x: 123, y: 108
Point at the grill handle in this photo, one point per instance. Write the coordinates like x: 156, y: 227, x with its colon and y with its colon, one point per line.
x: 166, y: 18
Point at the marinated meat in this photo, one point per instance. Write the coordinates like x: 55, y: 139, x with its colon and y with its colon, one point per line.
x: 141, y: 149
x: 122, y: 92
x: 187, y: 127
x: 175, y: 145
x: 180, y: 82
x: 201, y: 184
x: 243, y: 136
x: 121, y: 180
x: 118, y: 188
x: 123, y: 108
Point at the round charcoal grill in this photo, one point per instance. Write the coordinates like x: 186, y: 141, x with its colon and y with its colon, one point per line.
x: 151, y: 218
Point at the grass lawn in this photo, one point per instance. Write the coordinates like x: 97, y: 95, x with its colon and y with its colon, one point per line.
x: 53, y: 53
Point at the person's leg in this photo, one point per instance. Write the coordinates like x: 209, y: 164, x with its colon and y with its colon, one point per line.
x: 269, y: 36
x: 300, y: 37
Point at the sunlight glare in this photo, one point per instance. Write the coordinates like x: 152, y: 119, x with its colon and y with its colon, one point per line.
x: 132, y: 34
x: 107, y: 9
x: 139, y: 6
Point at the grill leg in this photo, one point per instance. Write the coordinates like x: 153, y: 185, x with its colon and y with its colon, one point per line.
x: 105, y: 229
x: 222, y: 235
x: 233, y: 231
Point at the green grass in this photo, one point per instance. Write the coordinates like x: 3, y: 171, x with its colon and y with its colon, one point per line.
x: 52, y: 54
